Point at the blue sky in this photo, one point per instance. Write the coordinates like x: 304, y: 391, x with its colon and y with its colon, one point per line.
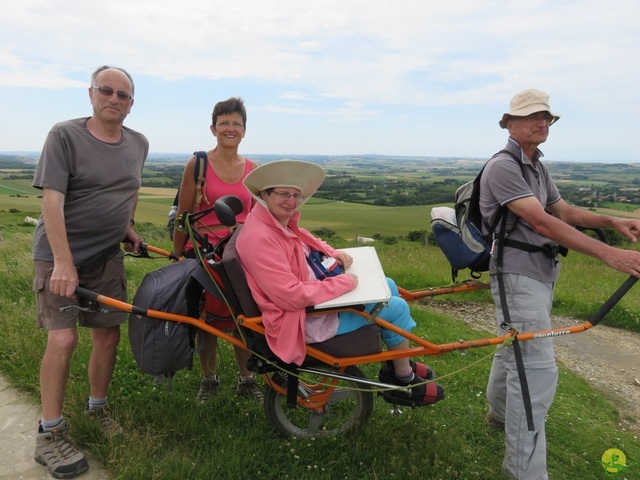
x: 416, y: 77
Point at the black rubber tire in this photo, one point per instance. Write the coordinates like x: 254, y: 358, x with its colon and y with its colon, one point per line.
x: 349, y: 408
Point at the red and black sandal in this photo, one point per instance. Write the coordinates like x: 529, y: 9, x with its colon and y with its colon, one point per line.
x: 388, y: 372
x: 427, y: 393
x: 417, y: 393
x: 422, y: 370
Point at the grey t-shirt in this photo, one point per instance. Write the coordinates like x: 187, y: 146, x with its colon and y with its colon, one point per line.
x: 502, y: 182
x: 100, y: 182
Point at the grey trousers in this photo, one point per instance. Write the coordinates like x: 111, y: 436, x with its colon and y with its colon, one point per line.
x: 529, y: 303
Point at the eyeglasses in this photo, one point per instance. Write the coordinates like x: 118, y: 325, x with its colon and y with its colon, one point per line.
x: 286, y: 196
x: 108, y: 92
x: 536, y: 117
x: 225, y: 124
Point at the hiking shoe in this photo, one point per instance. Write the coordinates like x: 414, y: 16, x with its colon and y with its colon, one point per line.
x: 102, y: 414
x: 494, y: 423
x: 248, y: 387
x: 208, y: 390
x: 56, y: 452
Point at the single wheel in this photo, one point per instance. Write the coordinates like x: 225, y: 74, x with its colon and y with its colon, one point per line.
x: 348, y: 405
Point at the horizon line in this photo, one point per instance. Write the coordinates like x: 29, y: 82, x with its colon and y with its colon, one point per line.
x: 36, y: 153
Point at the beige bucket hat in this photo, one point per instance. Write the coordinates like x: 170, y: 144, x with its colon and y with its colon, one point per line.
x: 305, y: 176
x: 528, y: 102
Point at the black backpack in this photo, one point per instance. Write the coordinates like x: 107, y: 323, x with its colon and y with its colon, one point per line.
x: 162, y: 347
x: 199, y: 175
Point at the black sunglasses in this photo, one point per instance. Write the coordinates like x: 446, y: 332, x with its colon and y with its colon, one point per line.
x: 108, y: 91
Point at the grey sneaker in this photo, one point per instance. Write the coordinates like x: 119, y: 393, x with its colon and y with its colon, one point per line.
x: 249, y: 388
x: 56, y: 452
x: 208, y: 390
x: 110, y: 428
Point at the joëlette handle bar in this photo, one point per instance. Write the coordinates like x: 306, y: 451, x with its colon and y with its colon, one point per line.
x: 613, y: 300
x: 157, y: 314
x: 160, y: 251
x: 592, y: 322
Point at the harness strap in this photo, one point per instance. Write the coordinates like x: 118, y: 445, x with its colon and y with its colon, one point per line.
x: 292, y: 387
x: 522, y: 376
x: 200, y: 177
x: 551, y: 250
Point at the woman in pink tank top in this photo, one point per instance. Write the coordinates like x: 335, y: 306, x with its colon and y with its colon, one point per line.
x: 225, y: 171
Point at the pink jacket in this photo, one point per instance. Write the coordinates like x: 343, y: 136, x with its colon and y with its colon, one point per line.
x: 273, y: 260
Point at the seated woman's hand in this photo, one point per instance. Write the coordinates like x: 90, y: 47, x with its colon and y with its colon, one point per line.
x: 344, y: 259
x: 354, y: 278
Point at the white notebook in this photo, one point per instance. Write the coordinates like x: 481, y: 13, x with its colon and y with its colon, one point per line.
x: 372, y: 283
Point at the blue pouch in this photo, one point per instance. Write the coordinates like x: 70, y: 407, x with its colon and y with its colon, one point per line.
x: 322, y: 265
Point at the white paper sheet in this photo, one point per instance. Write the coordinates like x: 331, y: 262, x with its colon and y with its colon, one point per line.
x: 372, y: 283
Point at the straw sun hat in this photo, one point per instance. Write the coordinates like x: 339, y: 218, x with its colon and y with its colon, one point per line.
x: 305, y: 176
x: 528, y: 102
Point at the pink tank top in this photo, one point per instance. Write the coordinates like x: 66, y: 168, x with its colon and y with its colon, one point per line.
x: 216, y: 188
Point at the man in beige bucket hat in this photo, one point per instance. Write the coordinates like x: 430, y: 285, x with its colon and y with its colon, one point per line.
x: 526, y: 103
x: 541, y: 220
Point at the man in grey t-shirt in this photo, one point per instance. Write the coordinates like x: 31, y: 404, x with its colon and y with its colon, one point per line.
x: 90, y: 173
x: 544, y: 218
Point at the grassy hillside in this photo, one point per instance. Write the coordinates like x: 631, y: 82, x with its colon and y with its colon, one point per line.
x: 584, y: 285
x: 168, y: 436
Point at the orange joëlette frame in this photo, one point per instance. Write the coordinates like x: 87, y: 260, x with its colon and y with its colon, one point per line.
x: 424, y: 347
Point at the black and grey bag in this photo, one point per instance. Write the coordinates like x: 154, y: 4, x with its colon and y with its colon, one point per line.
x: 162, y: 347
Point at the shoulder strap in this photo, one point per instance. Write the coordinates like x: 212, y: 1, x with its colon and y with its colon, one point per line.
x: 514, y: 156
x: 199, y: 175
x: 502, y: 210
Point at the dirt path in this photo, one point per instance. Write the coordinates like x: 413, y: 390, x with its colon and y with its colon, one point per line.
x: 608, y: 358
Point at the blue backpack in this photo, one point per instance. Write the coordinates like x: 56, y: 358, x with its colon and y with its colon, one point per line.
x: 458, y: 231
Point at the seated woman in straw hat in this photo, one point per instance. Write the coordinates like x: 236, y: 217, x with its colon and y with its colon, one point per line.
x: 273, y: 251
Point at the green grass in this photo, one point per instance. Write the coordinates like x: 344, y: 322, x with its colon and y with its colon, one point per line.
x: 168, y: 436
x: 350, y: 219
x: 625, y: 207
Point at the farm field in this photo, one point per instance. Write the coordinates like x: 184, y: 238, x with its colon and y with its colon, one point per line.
x: 353, y: 200
x: 351, y: 219
x: 347, y: 219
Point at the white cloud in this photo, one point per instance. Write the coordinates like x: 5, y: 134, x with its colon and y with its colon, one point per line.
x: 352, y: 60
